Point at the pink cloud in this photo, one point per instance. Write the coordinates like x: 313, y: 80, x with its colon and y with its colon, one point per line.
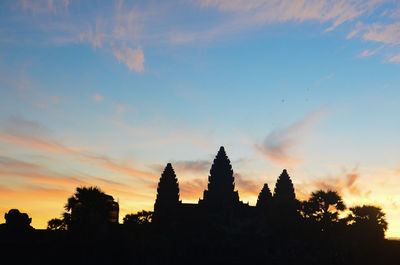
x: 44, y: 6
x: 348, y: 183
x: 395, y: 59
x: 387, y: 34
x: 33, y: 135
x: 248, y: 14
x: 367, y: 53
x: 279, y: 143
x: 193, y: 189
x: 96, y: 36
x: 98, y: 98
x: 247, y: 186
x: 132, y: 58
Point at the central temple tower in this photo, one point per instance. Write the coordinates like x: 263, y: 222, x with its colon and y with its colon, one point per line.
x: 220, y: 193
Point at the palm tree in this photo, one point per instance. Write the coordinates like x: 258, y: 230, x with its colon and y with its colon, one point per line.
x: 91, y: 209
x: 323, y: 207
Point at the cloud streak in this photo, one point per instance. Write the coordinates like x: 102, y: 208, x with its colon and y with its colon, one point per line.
x: 192, y: 189
x: 194, y: 166
x: 249, y: 14
x: 44, y: 6
x: 247, y: 186
x: 125, y: 28
x: 279, y: 143
x: 347, y: 183
x: 387, y: 34
x: 21, y: 132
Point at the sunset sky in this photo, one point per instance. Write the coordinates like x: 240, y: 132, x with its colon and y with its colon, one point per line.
x: 107, y: 92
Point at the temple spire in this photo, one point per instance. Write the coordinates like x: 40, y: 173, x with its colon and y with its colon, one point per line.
x: 167, y: 199
x: 264, y: 199
x: 284, y: 190
x: 221, y: 185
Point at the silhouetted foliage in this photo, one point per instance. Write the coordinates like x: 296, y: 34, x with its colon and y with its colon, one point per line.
x: 17, y: 221
x: 368, y: 222
x: 91, y: 209
x: 66, y: 217
x: 140, y: 218
x: 221, y: 185
x: 56, y: 224
x: 323, y: 207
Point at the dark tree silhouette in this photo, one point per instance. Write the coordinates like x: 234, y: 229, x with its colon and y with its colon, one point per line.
x: 368, y: 222
x: 167, y: 200
x: 264, y: 199
x: 17, y: 221
x: 221, y: 192
x: 56, y: 224
x: 323, y: 207
x: 140, y: 218
x: 66, y: 217
x: 92, y: 209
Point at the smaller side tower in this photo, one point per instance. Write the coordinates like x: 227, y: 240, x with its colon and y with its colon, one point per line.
x: 167, y: 201
x: 264, y: 200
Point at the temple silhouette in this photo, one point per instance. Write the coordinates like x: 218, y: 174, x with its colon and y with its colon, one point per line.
x: 220, y: 200
x: 219, y: 229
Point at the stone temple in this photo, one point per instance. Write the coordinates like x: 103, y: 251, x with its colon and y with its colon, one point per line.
x: 220, y: 199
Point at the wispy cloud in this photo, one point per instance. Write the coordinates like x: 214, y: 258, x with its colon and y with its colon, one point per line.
x: 249, y: 14
x: 117, y: 31
x: 30, y: 134
x: 98, y: 98
x: 192, y: 189
x: 247, y: 186
x: 340, y: 184
x: 19, y: 131
x: 44, y: 6
x: 124, y: 28
x: 132, y: 58
x: 346, y: 184
x: 33, y: 193
x: 279, y: 143
x: 388, y: 35
x: 36, y: 174
x: 195, y: 166
x: 367, y: 53
x: 27, y: 90
x: 395, y: 59
x: 321, y: 80
x: 95, y: 37
x: 121, y: 108
x: 187, y: 167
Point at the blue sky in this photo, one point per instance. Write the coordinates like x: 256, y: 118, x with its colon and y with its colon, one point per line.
x: 107, y: 92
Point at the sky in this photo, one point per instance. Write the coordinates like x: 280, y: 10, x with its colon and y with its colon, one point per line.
x: 106, y: 93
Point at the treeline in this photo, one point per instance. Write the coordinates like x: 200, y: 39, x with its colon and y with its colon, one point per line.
x: 280, y: 229
x: 323, y: 213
